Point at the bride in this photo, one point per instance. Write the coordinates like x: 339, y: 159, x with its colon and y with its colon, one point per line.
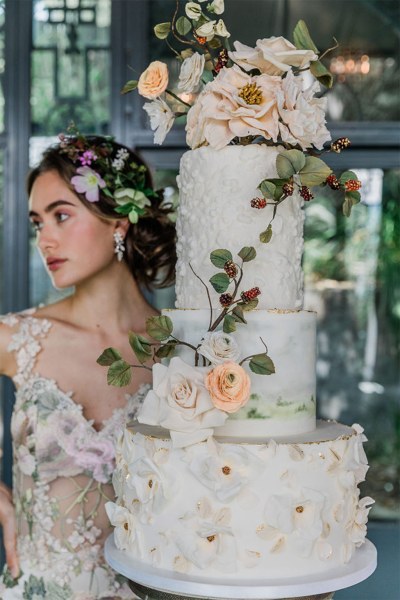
x: 102, y: 229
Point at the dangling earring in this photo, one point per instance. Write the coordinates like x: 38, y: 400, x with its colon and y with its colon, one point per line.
x: 119, y: 247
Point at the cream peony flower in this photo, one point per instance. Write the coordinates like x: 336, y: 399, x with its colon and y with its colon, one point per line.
x: 161, y: 118
x: 273, y: 56
x: 191, y: 71
x: 219, y: 347
x: 302, y: 114
x: 229, y: 386
x: 154, y: 80
x: 180, y: 402
x: 232, y: 105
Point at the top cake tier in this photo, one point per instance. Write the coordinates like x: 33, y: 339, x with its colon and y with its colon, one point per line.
x: 216, y: 188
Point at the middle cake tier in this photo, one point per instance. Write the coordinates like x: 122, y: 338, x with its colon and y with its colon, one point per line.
x: 282, y: 403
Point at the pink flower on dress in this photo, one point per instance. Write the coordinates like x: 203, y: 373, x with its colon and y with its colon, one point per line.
x: 91, y: 452
x: 88, y: 182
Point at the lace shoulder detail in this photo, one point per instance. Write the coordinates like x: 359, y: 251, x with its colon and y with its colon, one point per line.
x: 25, y: 341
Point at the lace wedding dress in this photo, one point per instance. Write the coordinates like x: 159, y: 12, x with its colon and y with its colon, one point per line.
x: 62, y: 479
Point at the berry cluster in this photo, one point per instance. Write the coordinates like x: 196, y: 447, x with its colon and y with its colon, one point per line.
x: 230, y: 269
x: 340, y: 144
x: 222, y: 60
x: 352, y: 185
x: 226, y: 299
x: 333, y: 181
x: 250, y: 294
x: 258, y: 203
x: 200, y: 39
x: 288, y: 189
x: 305, y: 193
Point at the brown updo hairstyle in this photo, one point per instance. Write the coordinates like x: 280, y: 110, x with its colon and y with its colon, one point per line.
x: 150, y: 243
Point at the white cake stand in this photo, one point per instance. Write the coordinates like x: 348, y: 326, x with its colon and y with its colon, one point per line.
x: 157, y: 584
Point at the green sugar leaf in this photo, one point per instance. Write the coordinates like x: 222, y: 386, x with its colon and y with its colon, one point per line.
x: 159, y: 328
x: 314, y: 172
x: 119, y: 374
x: 162, y: 30
x: 108, y: 357
x: 289, y: 162
x: 266, y: 235
x: 220, y: 282
x: 229, y: 324
x: 220, y: 257
x: 247, y: 253
x: 140, y: 346
x: 262, y: 364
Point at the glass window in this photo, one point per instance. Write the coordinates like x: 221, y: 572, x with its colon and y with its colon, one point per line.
x: 2, y: 63
x: 352, y: 281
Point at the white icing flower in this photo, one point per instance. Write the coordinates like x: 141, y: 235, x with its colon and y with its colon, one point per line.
x: 358, y: 528
x: 224, y: 468
x: 297, y: 515
x: 219, y: 347
x: 149, y: 484
x: 207, y: 539
x: 180, y: 402
x: 274, y: 56
x: 221, y: 30
x: 124, y: 526
x: 161, y: 118
x: 234, y: 104
x: 302, y: 115
x: 191, y: 71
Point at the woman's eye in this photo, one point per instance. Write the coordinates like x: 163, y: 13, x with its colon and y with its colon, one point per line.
x: 61, y: 217
x: 36, y: 225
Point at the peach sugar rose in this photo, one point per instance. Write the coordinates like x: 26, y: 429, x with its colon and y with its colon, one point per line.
x: 229, y: 386
x: 154, y: 80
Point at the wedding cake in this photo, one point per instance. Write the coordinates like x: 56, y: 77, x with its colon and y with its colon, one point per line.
x: 226, y: 471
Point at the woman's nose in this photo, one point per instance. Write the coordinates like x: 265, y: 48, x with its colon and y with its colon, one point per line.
x: 46, y: 239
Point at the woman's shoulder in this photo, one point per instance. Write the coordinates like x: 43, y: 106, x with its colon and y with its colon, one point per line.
x: 10, y: 325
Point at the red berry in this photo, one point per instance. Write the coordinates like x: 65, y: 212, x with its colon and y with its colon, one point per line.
x: 352, y: 185
x: 340, y: 144
x: 258, y: 203
x: 226, y: 299
x: 288, y: 189
x: 333, y: 182
x: 249, y: 295
x: 305, y: 193
x: 230, y: 269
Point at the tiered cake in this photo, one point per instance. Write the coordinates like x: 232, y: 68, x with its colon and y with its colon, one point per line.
x: 201, y: 486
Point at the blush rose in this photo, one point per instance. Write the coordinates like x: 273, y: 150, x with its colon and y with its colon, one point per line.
x: 229, y: 386
x: 154, y: 80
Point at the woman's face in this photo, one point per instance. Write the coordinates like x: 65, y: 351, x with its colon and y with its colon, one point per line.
x: 75, y: 244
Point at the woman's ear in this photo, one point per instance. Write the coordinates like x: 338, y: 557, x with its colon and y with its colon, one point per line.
x: 122, y: 225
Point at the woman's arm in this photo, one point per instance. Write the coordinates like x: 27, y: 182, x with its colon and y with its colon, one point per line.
x: 7, y: 522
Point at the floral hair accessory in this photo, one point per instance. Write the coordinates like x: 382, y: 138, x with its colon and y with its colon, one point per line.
x: 101, y: 166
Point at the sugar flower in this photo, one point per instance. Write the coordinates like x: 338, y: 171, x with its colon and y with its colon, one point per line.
x: 217, y: 7
x: 193, y: 10
x: 219, y: 347
x: 154, y: 80
x: 229, y: 386
x: 88, y: 182
x: 191, y: 71
x: 180, y: 402
x: 221, y: 30
x: 206, y: 30
x: 124, y: 523
x: 161, y: 118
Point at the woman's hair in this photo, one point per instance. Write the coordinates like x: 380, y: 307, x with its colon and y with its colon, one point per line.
x: 150, y: 243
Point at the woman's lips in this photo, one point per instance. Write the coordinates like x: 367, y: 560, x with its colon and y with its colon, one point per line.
x: 55, y: 263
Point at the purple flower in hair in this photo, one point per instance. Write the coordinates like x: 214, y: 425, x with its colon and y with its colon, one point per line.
x: 87, y: 158
x: 88, y: 182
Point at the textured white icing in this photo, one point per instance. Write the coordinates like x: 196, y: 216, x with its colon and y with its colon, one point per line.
x: 216, y: 187
x: 281, y: 403
x: 247, y: 510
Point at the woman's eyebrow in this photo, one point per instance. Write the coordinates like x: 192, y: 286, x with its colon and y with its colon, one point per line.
x: 50, y: 207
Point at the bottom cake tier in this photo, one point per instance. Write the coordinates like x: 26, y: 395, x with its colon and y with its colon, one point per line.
x: 282, y: 507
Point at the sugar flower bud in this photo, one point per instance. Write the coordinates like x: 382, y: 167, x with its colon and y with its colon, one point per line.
x: 193, y: 10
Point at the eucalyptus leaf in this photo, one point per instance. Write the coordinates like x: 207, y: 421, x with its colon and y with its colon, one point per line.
x: 140, y: 346
x: 159, y: 328
x: 350, y: 199
x: 289, y: 162
x: 220, y: 282
x: 262, y: 364
x: 238, y: 315
x: 129, y: 86
x: 119, y: 374
x: 265, y: 236
x: 108, y: 357
x: 220, y: 257
x: 346, y: 176
x: 314, y: 172
x: 183, y: 25
x: 229, y: 324
x: 321, y: 73
x: 166, y: 350
x: 267, y: 188
x: 162, y: 30
x: 248, y: 306
x: 302, y: 38
x: 247, y: 253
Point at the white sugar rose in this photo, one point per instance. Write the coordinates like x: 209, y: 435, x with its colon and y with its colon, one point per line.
x: 193, y: 10
x: 154, y: 80
x: 302, y: 115
x: 191, y: 72
x: 161, y: 118
x: 273, y: 56
x: 179, y: 401
x: 234, y: 105
x: 219, y: 347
